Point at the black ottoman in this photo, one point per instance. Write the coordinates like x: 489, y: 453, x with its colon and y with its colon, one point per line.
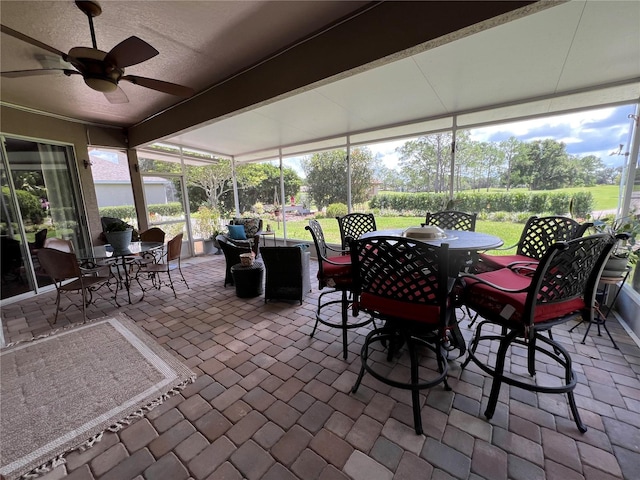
x: 248, y: 280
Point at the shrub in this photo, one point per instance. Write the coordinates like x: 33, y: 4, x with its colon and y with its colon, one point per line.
x: 336, y: 210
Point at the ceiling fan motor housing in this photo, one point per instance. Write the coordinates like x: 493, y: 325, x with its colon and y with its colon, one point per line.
x: 97, y: 74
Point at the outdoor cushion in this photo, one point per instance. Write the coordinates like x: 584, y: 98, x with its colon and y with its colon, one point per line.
x: 236, y: 232
x: 510, y: 306
x: 419, y: 312
x: 250, y: 225
x: 337, y: 274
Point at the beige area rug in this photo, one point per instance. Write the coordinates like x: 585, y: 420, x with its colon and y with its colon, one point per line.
x: 60, y: 392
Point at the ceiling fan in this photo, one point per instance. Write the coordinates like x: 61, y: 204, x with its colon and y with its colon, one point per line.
x: 101, y: 71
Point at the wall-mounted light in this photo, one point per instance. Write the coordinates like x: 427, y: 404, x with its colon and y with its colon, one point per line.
x: 87, y: 163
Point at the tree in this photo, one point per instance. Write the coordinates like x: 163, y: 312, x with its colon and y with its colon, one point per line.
x: 326, y: 174
x: 512, y: 149
x: 215, y: 179
x: 425, y: 162
x: 552, y: 168
x: 260, y: 182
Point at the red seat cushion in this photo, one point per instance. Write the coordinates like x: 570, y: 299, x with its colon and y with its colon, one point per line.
x: 510, y: 306
x: 488, y: 263
x: 336, y: 275
x: 418, y: 312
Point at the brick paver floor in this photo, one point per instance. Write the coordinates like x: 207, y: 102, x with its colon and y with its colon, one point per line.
x: 272, y: 403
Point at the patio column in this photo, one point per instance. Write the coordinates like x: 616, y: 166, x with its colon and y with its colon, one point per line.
x: 282, y: 199
x: 631, y: 164
x: 236, y: 200
x: 349, y: 206
x: 454, y: 130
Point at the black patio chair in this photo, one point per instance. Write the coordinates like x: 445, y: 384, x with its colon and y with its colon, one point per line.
x: 334, y: 274
x: 405, y: 283
x: 519, y: 306
x: 353, y: 225
x: 452, y: 220
x: 538, y: 235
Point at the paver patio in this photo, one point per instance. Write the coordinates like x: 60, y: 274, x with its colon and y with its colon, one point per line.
x: 272, y: 403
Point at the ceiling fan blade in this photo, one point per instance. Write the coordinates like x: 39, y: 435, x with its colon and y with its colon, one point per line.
x: 159, y: 85
x: 131, y: 51
x: 32, y: 41
x: 41, y: 71
x: 117, y: 96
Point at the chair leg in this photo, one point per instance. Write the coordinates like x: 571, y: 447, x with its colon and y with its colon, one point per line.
x: 345, y: 317
x: 531, y: 357
x: 498, y: 374
x: 55, y: 319
x: 572, y: 401
x: 415, y: 391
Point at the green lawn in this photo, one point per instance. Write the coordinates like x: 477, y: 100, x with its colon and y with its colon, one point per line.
x: 508, y: 232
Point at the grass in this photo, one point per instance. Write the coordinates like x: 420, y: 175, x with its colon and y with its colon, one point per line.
x: 508, y: 232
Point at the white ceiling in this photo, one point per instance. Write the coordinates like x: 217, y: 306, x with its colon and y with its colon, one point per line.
x: 554, y: 60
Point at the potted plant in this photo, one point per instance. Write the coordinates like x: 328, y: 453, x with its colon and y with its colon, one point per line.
x: 119, y: 234
x: 625, y: 251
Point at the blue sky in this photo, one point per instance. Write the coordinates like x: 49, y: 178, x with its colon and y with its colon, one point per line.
x: 594, y: 132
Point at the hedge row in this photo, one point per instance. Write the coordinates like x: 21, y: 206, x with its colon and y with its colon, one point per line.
x: 129, y: 211
x: 558, y: 203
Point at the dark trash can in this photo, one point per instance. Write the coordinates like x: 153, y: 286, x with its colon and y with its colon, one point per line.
x: 248, y: 280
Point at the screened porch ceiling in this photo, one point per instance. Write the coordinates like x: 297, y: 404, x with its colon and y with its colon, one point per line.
x: 568, y: 57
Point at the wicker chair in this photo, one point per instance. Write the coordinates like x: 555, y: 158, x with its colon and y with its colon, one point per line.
x: 334, y: 274
x: 287, y: 276
x: 252, y: 230
x: 353, y: 225
x: 523, y: 305
x: 405, y: 283
x: 231, y: 255
x: 452, y: 220
x: 65, y: 272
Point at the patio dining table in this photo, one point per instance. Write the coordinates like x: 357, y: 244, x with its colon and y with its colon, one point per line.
x: 463, y: 246
x: 120, y: 263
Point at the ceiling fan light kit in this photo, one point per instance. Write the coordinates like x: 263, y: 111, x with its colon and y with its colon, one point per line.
x: 102, y: 71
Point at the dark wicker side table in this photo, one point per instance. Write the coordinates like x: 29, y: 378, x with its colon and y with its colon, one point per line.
x: 248, y: 280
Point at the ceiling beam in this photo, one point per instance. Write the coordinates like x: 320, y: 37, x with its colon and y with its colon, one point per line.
x: 380, y: 30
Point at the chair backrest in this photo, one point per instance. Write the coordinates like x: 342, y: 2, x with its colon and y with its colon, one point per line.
x: 230, y: 250
x: 59, y: 244
x: 174, y: 247
x: 283, y: 263
x: 59, y: 265
x: 568, y: 271
x: 540, y: 233
x: 401, y: 278
x: 40, y: 238
x: 355, y: 224
x: 318, y: 239
x: 154, y: 234
x: 452, y: 220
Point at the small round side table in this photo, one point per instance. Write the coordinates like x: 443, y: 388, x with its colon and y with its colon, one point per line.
x: 248, y: 280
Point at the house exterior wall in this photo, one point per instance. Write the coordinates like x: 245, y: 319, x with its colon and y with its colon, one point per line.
x: 113, y: 195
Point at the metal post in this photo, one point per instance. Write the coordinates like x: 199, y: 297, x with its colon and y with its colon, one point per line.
x: 349, y: 206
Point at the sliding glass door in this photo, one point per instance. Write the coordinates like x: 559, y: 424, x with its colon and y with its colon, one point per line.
x: 40, y: 199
